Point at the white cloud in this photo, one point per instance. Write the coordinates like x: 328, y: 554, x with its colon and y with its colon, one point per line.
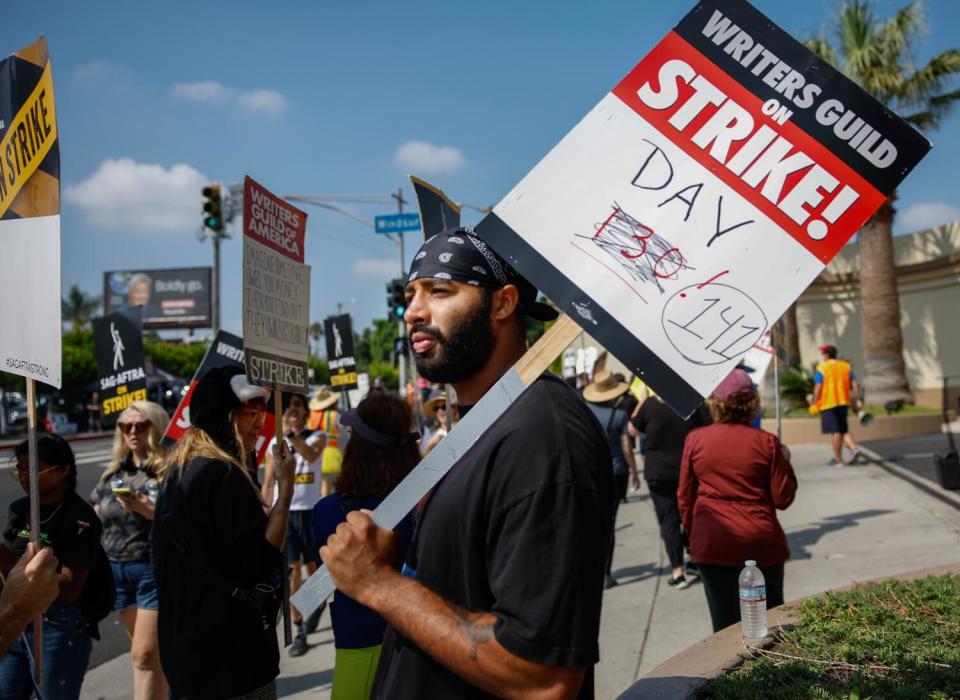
x: 126, y: 195
x: 924, y: 215
x: 375, y: 267
x: 269, y: 102
x: 202, y: 91
x: 420, y: 157
x: 102, y: 71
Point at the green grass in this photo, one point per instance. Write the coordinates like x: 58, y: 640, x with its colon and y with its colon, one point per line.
x: 888, y: 640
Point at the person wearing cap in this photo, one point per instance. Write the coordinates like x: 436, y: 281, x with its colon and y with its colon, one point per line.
x: 503, y: 581
x: 733, y: 478
x: 218, y: 558
x: 835, y: 389
x: 306, y: 446
x: 601, y: 395
x: 323, y: 418
x: 380, y: 452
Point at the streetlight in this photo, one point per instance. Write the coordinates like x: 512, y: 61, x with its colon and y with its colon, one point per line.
x: 341, y: 304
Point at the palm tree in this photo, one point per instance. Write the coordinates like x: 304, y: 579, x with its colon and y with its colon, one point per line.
x: 876, y: 53
x: 316, y: 332
x: 78, y: 307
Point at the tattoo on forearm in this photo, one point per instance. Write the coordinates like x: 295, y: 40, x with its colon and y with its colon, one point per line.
x: 478, y: 631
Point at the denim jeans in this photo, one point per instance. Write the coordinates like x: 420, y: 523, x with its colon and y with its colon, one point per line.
x: 66, y: 655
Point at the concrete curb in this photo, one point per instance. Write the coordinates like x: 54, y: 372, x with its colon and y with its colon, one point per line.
x: 681, y: 675
x: 951, y: 498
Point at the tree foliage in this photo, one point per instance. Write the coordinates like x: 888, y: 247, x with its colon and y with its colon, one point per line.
x: 78, y: 307
x: 879, y: 55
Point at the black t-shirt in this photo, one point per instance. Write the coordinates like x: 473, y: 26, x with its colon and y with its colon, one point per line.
x: 211, y: 645
x: 519, y: 527
x: 71, y: 527
x: 665, y: 433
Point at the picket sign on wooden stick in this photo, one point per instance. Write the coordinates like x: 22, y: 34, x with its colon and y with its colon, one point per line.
x: 34, y: 515
x: 692, y: 205
x: 459, y: 440
x: 278, y: 423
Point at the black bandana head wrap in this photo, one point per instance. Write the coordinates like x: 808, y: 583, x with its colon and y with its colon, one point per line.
x: 460, y: 256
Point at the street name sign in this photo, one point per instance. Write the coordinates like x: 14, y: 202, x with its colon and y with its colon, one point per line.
x: 396, y: 223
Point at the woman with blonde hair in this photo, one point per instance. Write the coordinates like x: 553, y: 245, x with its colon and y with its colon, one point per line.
x: 124, y: 499
x: 217, y: 553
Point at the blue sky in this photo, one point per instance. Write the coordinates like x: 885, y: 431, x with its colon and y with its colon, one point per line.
x: 154, y: 99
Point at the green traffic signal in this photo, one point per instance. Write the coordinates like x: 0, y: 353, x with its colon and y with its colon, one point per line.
x: 213, y: 207
x: 399, y: 310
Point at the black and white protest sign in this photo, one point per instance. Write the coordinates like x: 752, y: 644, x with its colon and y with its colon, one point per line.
x: 30, y: 315
x: 702, y: 195
x: 276, y: 290
x: 118, y: 342
x: 338, y: 331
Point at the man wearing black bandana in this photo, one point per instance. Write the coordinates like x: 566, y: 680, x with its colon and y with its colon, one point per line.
x: 503, y: 581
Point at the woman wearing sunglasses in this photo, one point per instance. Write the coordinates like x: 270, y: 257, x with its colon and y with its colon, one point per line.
x: 217, y: 554
x: 124, y: 499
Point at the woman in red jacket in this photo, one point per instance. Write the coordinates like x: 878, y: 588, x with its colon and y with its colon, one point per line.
x: 733, y: 478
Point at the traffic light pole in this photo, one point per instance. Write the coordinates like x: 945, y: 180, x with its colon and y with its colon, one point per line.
x: 215, y: 292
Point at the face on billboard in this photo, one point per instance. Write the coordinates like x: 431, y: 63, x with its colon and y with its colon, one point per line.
x: 139, y: 292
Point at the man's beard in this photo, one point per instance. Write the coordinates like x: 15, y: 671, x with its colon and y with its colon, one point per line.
x: 463, y: 351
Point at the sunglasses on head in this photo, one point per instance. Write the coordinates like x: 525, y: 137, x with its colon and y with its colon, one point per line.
x: 138, y: 427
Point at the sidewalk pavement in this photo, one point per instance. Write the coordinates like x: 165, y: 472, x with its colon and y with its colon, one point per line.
x: 846, y: 525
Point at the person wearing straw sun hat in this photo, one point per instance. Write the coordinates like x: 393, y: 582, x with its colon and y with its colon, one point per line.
x: 435, y: 409
x: 600, y: 395
x: 324, y: 417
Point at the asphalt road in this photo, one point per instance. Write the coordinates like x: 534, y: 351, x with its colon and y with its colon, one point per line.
x: 914, y: 454
x: 92, y: 456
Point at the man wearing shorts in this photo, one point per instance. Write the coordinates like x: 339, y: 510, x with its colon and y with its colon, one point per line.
x: 835, y: 387
x: 307, y: 447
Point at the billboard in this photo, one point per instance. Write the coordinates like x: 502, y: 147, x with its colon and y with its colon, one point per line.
x: 172, y: 298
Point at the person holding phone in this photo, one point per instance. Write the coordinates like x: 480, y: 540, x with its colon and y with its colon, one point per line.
x: 124, y: 499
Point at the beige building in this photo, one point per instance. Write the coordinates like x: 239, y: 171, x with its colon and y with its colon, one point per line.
x: 928, y: 278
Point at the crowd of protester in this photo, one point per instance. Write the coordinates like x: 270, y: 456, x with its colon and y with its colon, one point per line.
x: 491, y: 586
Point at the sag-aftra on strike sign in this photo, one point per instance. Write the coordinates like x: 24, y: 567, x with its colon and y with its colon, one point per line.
x: 698, y: 199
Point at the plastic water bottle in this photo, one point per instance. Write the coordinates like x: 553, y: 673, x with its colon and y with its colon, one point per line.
x: 753, y: 602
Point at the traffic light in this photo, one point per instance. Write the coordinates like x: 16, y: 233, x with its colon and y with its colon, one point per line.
x: 396, y: 298
x: 213, y: 207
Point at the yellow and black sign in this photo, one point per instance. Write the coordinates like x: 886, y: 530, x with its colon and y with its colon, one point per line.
x: 29, y: 156
x: 344, y: 379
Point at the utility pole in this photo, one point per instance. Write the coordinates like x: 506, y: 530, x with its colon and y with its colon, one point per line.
x: 402, y: 328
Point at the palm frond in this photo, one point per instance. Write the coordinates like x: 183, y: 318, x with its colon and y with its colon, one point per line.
x: 917, y: 88
x: 936, y: 109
